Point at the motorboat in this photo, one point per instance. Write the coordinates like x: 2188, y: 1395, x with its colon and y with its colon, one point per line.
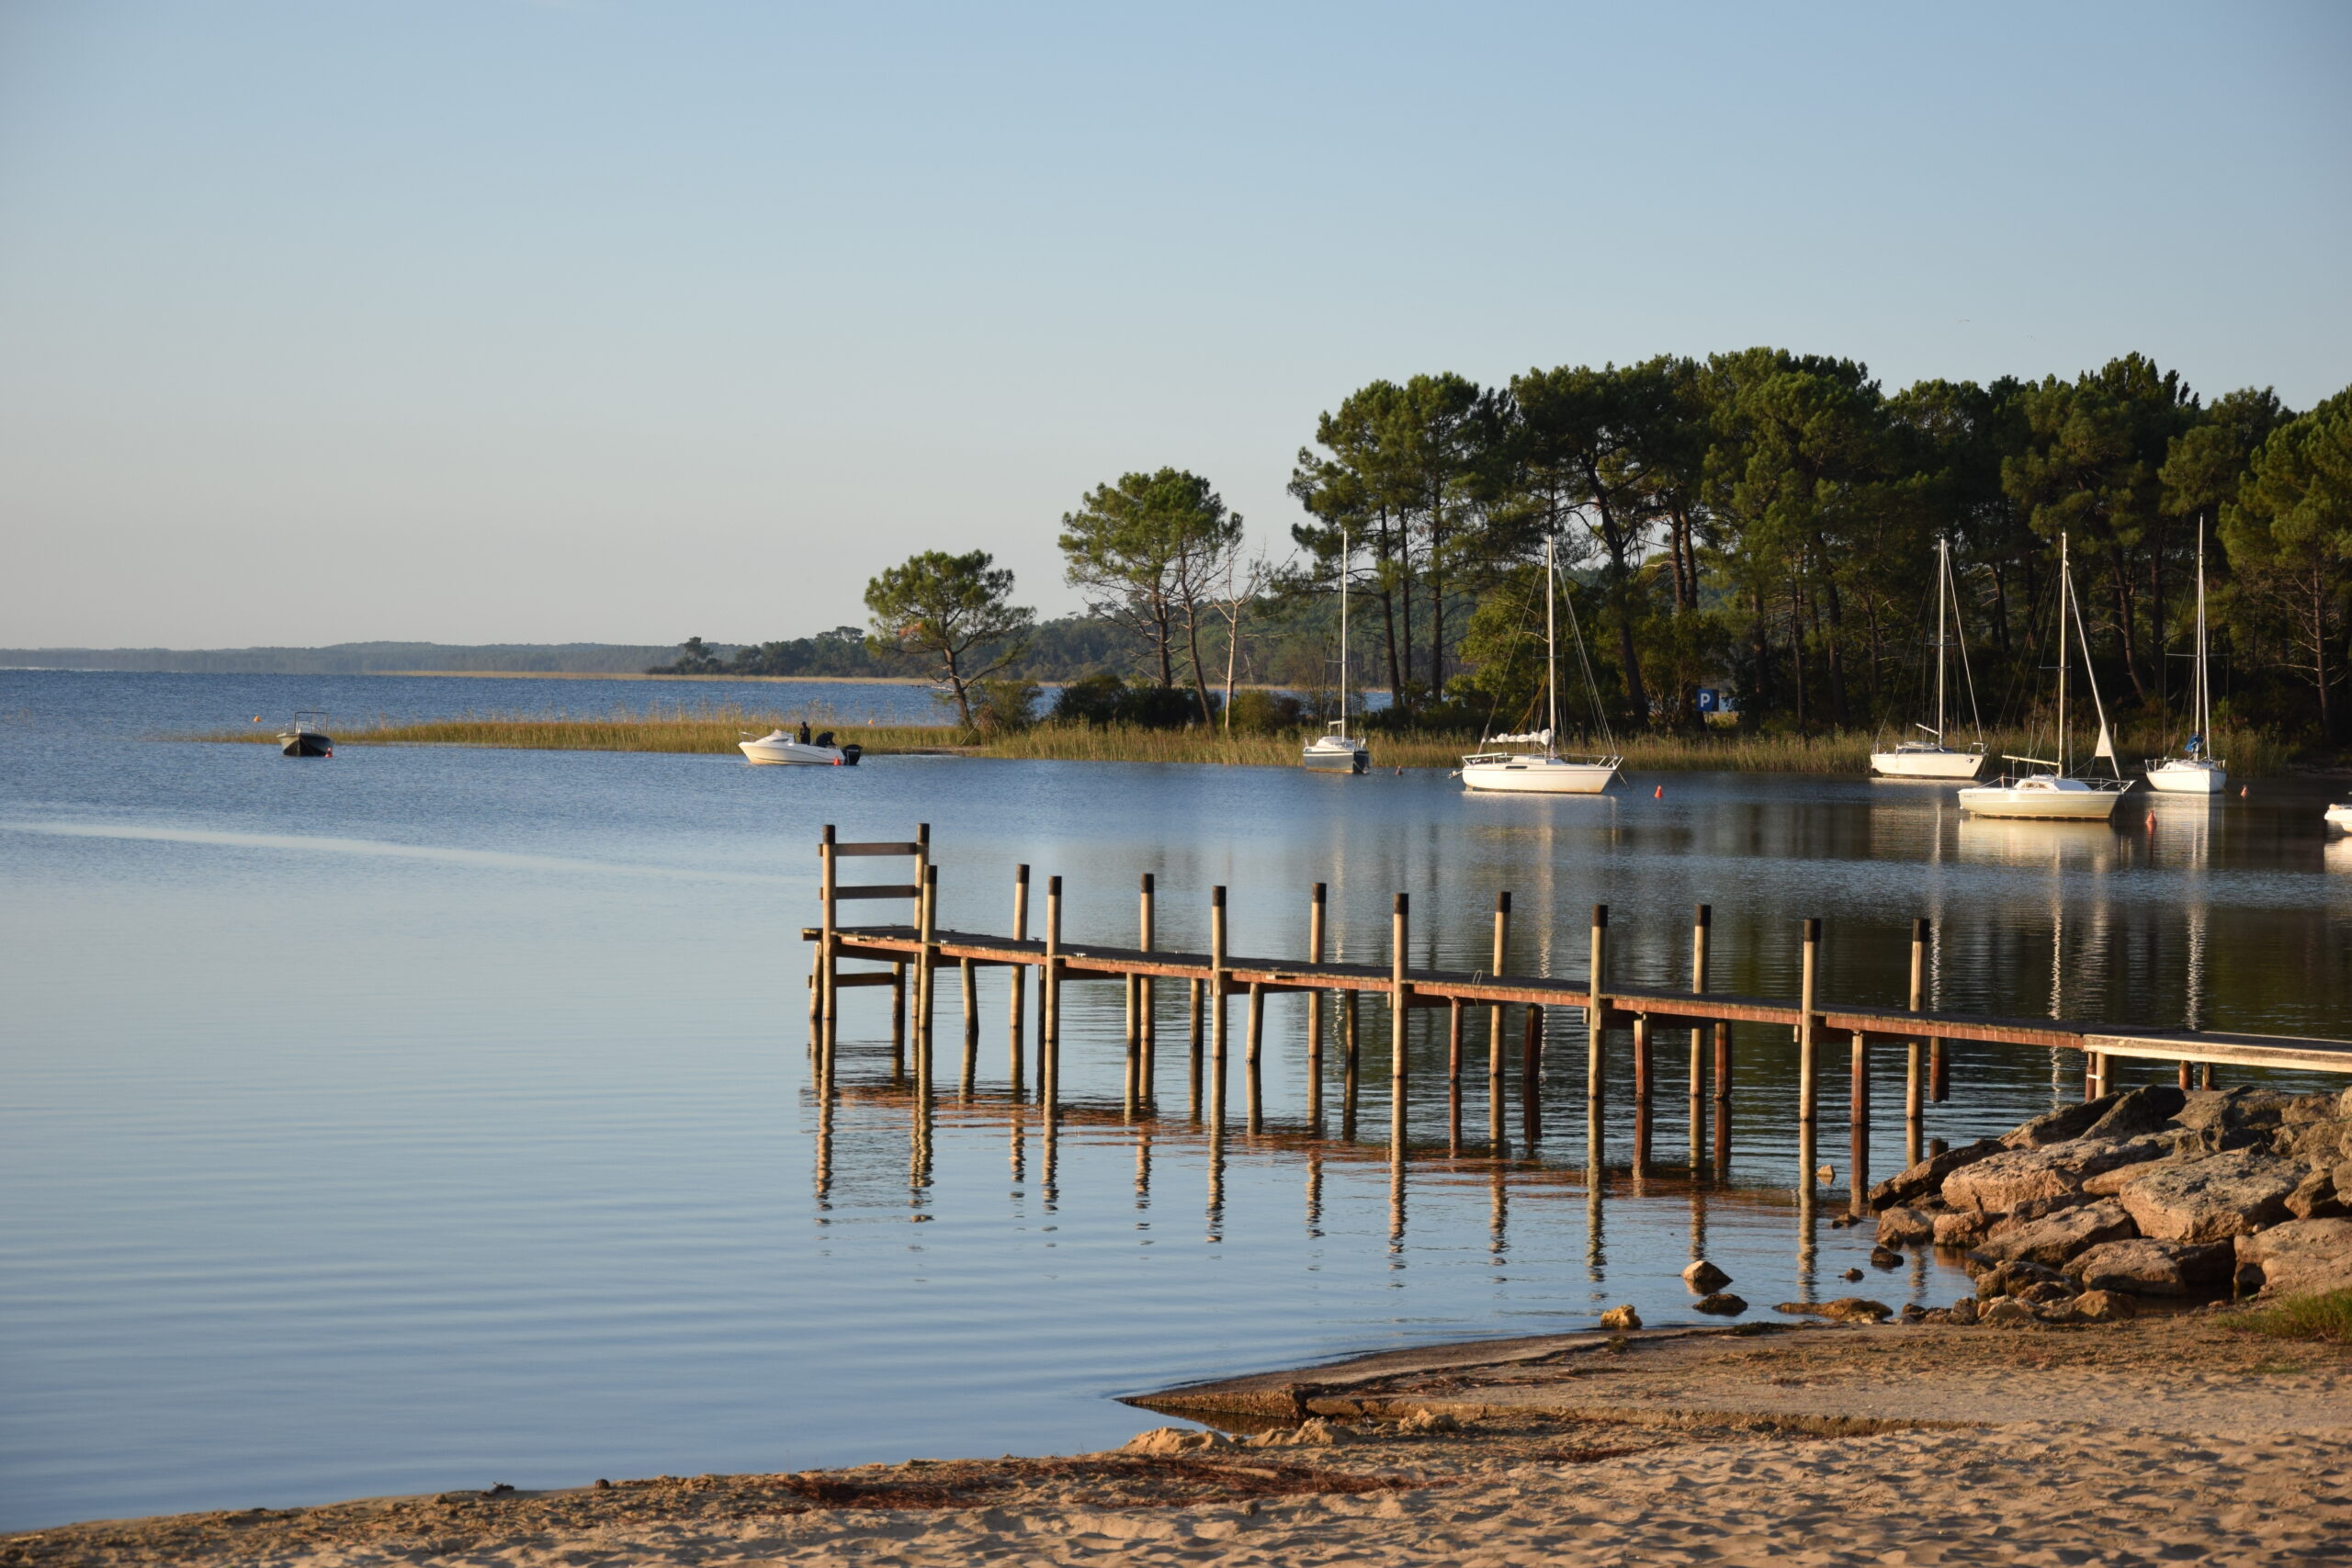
x: 2339, y: 816
x: 1931, y: 759
x: 2195, y: 770
x: 1338, y: 753
x: 777, y: 746
x: 1546, y: 771
x: 307, y: 736
x: 2054, y: 793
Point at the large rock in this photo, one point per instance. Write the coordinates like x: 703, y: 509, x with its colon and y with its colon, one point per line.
x: 2004, y: 1180
x: 2305, y: 1108
x: 2052, y: 1240
x: 2300, y: 1258
x: 2062, y: 1125
x: 2012, y: 1278
x: 1721, y: 1303
x: 2139, y: 1112
x: 2315, y: 1145
x: 2208, y: 1200
x: 1925, y: 1178
x: 2009, y: 1313
x: 2103, y: 1306
x: 1962, y: 1227
x: 2316, y: 1197
x: 2147, y: 1268
x: 1705, y: 1278
x: 2212, y: 1111
x: 1905, y: 1227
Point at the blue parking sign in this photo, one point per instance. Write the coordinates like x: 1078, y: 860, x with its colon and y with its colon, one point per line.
x: 1707, y: 703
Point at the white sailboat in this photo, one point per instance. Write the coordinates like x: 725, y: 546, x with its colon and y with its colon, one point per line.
x: 1338, y: 753
x: 2194, y: 772
x: 2057, y: 796
x: 1931, y: 759
x: 1546, y: 772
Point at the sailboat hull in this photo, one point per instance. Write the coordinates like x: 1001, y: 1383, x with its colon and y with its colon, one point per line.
x: 2043, y: 800
x: 1926, y: 764
x: 2179, y: 776
x: 1539, y: 775
x: 1325, y: 757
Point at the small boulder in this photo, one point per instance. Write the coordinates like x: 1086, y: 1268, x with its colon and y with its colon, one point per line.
x: 2139, y: 1112
x: 2315, y: 1198
x: 2210, y: 1199
x: 1962, y: 1227
x: 2233, y: 1110
x: 1851, y: 1275
x: 2062, y: 1125
x: 1963, y: 1311
x: 1925, y: 1178
x: 2008, y: 1313
x: 1426, y: 1423
x: 1938, y: 1314
x: 2148, y: 1267
x: 2002, y: 1181
x: 1175, y: 1440
x: 1845, y: 1309
x: 2012, y: 1278
x: 1903, y: 1227
x: 1721, y: 1305
x: 2055, y: 1238
x: 2300, y: 1258
x: 2103, y: 1306
x: 1620, y: 1318
x: 1885, y: 1258
x: 1705, y: 1278
x: 2315, y: 1145
x: 2044, y: 1292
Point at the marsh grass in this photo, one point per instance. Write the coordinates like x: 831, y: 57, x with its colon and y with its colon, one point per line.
x: 715, y: 730
x: 2326, y: 1317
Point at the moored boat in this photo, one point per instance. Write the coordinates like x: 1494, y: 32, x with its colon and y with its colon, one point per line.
x: 2339, y: 816
x: 307, y: 737
x: 1931, y: 759
x: 2195, y: 772
x: 1546, y: 772
x: 821, y: 752
x: 2055, y: 795
x: 1338, y: 753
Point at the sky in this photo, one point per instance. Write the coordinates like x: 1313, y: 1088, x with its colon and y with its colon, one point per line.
x: 622, y: 321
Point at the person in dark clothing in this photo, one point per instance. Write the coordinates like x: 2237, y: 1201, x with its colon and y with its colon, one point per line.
x: 803, y: 732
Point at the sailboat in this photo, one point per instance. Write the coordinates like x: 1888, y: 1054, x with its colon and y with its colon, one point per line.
x: 1338, y: 753
x: 1546, y: 773
x: 2195, y: 772
x: 1931, y: 759
x: 2057, y: 794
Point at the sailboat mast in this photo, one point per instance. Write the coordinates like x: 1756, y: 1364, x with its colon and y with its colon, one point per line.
x: 2065, y: 593
x: 1343, y: 631
x: 1551, y: 657
x: 2204, y: 680
x: 1943, y: 575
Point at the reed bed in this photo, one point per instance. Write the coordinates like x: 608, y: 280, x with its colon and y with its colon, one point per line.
x: 715, y: 730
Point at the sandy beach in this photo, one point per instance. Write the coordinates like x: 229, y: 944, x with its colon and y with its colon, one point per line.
x: 2164, y: 1440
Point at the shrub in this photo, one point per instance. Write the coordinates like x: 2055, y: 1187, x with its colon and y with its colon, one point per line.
x: 1005, y: 707
x: 1105, y: 699
x: 1091, y: 699
x: 2326, y: 1317
x: 1264, y: 713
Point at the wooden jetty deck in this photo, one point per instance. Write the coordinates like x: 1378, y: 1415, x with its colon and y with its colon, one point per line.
x: 915, y: 951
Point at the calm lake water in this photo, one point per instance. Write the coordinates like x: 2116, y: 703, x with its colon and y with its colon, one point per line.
x: 428, y: 1117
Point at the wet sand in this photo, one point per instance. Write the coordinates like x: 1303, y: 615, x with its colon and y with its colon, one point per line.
x: 2164, y: 1440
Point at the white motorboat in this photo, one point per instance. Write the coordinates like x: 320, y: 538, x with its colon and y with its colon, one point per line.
x: 777, y: 746
x: 2194, y: 772
x: 1338, y: 753
x: 1931, y: 759
x: 307, y: 736
x: 2339, y: 816
x: 2056, y: 794
x: 1546, y: 772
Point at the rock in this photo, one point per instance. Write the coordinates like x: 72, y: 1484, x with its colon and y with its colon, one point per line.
x: 2052, y: 1240
x: 1845, y: 1309
x: 2300, y: 1258
x: 2233, y: 1110
x: 2306, y: 1108
x: 1721, y: 1305
x: 2139, y: 1112
x: 1851, y: 1275
x: 1905, y: 1227
x: 2342, y: 1174
x: 2010, y: 1279
x: 1705, y: 1278
x: 2103, y: 1306
x: 1925, y: 1178
x: 2060, y: 1126
x: 2044, y: 1292
x: 2004, y: 1180
x: 1962, y: 1227
x: 1913, y: 1312
x: 1312, y: 1433
x: 2149, y: 1267
x: 1827, y: 1176
x: 2207, y: 1200
x: 1885, y: 1258
x: 2006, y: 1313
x: 2343, y: 1106
x: 2314, y: 1198
x: 1174, y: 1441
x: 1422, y: 1423
x: 1963, y: 1311
x: 1621, y: 1317
x: 2315, y: 1145
x: 1939, y: 1314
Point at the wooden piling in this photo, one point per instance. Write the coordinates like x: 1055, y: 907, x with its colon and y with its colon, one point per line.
x: 1858, y: 1110
x: 1255, y: 1086
x: 826, y: 993
x: 1495, y: 1014
x: 1702, y: 921
x: 1199, y: 1021
x: 1531, y: 1079
x: 1146, y: 989
x: 1218, y: 953
x: 1315, y: 918
x: 926, y: 976
x: 1018, y: 1053
x: 1808, y: 1097
x: 1595, y: 1017
x: 1049, y: 986
x: 1643, y: 1091
x: 1400, y: 994
x: 969, y: 974
x: 1453, y: 1042
x: 1913, y: 1106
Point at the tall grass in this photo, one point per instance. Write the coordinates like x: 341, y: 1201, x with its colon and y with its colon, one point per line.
x: 2326, y: 1317
x: 715, y: 730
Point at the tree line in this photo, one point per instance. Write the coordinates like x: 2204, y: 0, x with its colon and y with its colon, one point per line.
x: 1760, y: 522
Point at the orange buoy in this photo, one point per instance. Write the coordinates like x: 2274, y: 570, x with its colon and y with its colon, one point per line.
x: 1659, y: 794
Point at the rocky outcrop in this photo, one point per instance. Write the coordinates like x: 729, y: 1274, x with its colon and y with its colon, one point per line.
x: 2211, y: 1199
x: 2316, y: 1197
x: 2300, y: 1258
x: 1925, y: 1178
x: 1905, y: 1227
x: 2004, y: 1180
x: 2148, y: 1267
x: 2062, y: 1125
x: 2138, y: 1113
x: 1845, y: 1309
x: 2053, y: 1239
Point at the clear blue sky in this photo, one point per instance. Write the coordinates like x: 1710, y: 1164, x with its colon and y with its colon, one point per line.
x: 480, y: 319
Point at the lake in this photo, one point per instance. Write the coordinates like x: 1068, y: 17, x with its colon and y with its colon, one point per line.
x: 429, y: 1117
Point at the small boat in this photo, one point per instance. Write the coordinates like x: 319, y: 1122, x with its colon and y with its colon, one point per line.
x: 777, y: 746
x: 2339, y: 816
x: 1546, y: 772
x: 308, y: 736
x: 1931, y: 759
x: 2057, y: 794
x: 2194, y: 772
x: 1338, y: 753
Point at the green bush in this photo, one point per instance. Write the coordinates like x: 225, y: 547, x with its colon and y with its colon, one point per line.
x: 2326, y: 1317
x: 1005, y: 707
x: 1264, y: 713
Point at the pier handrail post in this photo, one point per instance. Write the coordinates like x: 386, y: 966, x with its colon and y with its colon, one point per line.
x: 1913, y: 1094
x: 926, y: 976
x: 1644, y: 1088
x: 1019, y: 979
x: 1217, y: 984
x: 1596, y: 1015
x: 1316, y: 910
x: 1400, y: 923
x: 1701, y: 924
x: 1049, y: 1043
x: 821, y: 987
x: 1810, y: 970
x: 1146, y: 989
x: 1495, y: 1066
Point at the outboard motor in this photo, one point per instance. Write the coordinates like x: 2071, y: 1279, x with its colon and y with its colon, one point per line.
x: 850, y: 753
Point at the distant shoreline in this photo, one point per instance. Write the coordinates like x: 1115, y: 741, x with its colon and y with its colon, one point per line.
x: 617, y: 675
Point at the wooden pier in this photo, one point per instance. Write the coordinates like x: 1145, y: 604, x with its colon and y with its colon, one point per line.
x: 914, y: 953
